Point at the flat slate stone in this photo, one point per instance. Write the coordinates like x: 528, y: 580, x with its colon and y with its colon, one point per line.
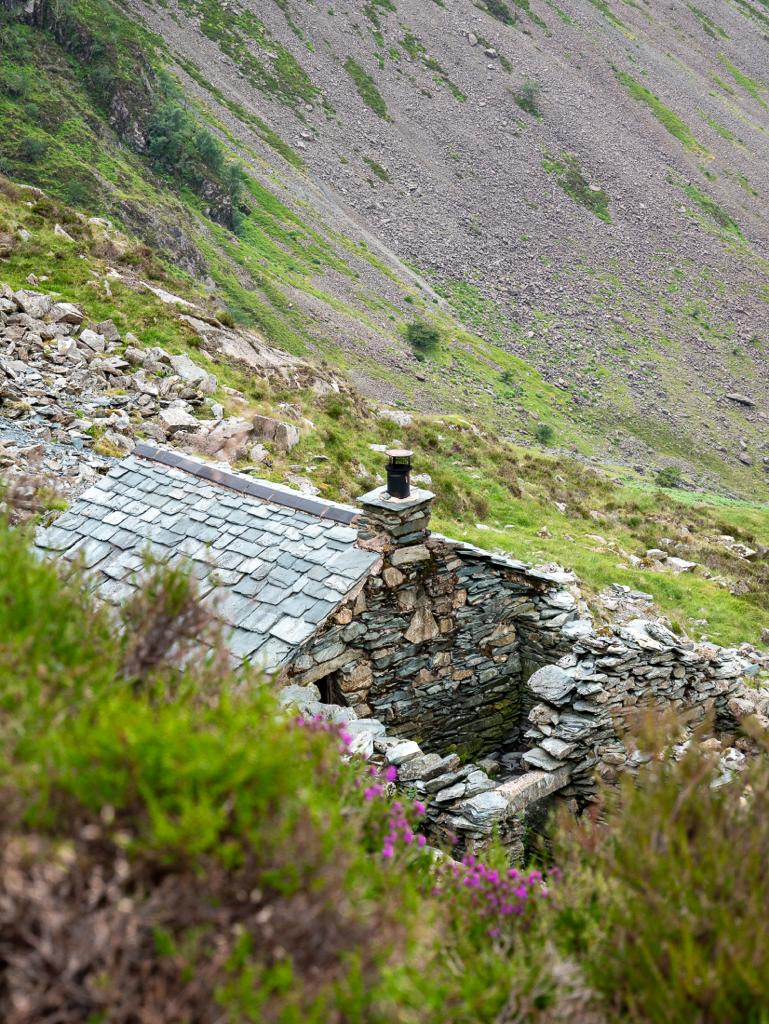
x: 552, y: 684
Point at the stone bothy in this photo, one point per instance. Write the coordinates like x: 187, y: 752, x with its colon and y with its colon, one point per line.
x: 437, y: 640
x: 434, y: 652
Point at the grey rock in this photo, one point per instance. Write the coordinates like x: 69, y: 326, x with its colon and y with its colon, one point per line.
x: 552, y: 684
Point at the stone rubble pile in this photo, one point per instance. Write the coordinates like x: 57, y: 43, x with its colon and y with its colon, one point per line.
x: 465, y: 807
x: 74, y: 387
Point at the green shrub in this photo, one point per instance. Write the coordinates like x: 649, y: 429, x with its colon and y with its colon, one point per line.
x: 544, y: 433
x: 668, y: 477
x: 668, y: 913
x: 423, y: 337
x: 527, y: 97
x: 498, y: 9
x: 32, y: 149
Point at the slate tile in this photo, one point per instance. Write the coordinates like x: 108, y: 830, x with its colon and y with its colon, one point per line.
x: 115, y: 518
x: 345, y: 534
x: 232, y: 607
x: 319, y: 590
x: 102, y: 531
x: 116, y: 591
x: 261, y: 619
x: 248, y: 586
x: 124, y: 539
x: 271, y: 654
x: 284, y: 577
x: 292, y: 631
x: 272, y: 594
x: 319, y: 610
x: 297, y: 605
x: 229, y: 559
x: 338, y: 583
x: 242, y: 643
x: 203, y: 532
x: 57, y: 539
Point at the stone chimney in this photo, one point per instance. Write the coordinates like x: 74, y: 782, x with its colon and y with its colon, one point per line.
x: 397, y: 514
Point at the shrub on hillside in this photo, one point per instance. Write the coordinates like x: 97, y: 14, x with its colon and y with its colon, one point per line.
x: 527, y: 97
x: 423, y: 337
x: 668, y: 477
x: 499, y: 9
x: 544, y: 433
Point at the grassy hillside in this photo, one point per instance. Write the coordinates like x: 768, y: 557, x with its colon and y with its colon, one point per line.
x: 534, y: 504
x: 277, y: 265
x: 210, y: 142
x: 586, y: 186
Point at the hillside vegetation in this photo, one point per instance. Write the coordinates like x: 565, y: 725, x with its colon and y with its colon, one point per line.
x: 540, y: 506
x: 174, y: 847
x: 621, y: 310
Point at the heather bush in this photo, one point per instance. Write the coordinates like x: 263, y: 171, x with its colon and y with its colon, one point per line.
x: 666, y: 894
x: 189, y: 845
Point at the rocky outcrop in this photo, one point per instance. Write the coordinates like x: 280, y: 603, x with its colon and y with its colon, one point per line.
x: 77, y: 386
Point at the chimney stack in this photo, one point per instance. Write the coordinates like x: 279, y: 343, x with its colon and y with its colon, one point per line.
x: 399, y: 473
x: 397, y: 514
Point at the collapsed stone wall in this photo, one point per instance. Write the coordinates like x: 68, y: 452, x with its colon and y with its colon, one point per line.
x: 576, y: 724
x: 462, y: 652
x: 464, y: 806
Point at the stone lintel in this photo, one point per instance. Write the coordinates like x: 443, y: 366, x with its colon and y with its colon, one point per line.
x: 525, y: 789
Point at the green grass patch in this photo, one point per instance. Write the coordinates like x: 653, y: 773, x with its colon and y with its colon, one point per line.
x: 667, y: 118
x: 377, y: 169
x: 707, y: 24
x: 608, y: 13
x: 569, y: 176
x: 750, y: 85
x: 367, y: 88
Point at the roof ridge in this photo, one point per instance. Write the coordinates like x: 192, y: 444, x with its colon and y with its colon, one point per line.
x: 277, y: 494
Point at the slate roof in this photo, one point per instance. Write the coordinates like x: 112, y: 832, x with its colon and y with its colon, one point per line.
x: 276, y: 562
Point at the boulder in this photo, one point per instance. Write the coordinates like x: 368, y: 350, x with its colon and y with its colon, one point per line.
x: 95, y: 342
x: 740, y: 399
x: 228, y: 440
x: 396, y: 416
x: 33, y: 303
x: 66, y: 313
x: 176, y: 418
x: 108, y: 330
x: 679, y: 564
x: 403, y: 752
x: 283, y: 435
x: 193, y: 374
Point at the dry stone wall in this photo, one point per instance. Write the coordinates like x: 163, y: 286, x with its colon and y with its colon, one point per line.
x: 446, y: 650
x: 576, y: 724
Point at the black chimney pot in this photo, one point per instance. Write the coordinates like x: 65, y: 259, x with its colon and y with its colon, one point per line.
x: 399, y: 473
